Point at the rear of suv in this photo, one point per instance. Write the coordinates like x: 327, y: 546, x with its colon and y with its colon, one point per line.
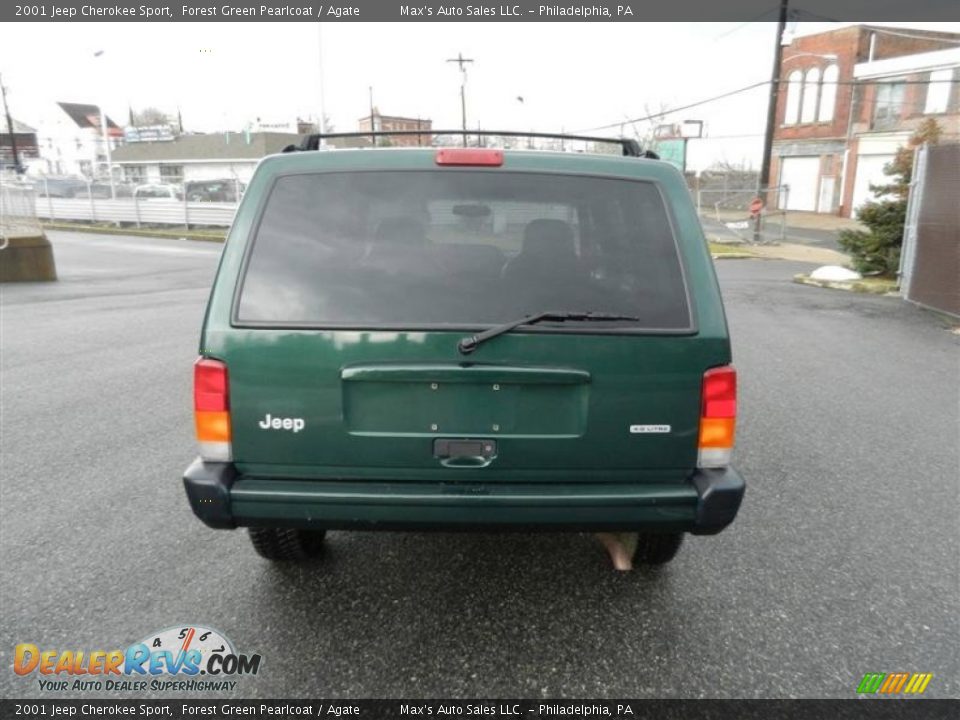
x: 464, y: 338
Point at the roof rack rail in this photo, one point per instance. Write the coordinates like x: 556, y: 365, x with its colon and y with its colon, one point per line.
x: 631, y: 147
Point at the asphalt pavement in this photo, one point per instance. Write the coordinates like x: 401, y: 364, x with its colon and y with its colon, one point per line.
x: 843, y: 559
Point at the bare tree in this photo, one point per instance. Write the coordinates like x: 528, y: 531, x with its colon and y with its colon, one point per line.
x: 150, y: 116
x: 644, y: 131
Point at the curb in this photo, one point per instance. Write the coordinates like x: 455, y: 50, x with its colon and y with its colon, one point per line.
x: 139, y: 232
x: 857, y: 286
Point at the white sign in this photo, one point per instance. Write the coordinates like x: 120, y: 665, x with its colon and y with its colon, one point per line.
x: 647, y: 429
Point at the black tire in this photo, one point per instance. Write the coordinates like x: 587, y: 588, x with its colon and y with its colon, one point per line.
x: 657, y: 548
x: 286, y: 544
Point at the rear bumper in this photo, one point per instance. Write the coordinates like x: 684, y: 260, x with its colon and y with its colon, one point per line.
x: 221, y: 498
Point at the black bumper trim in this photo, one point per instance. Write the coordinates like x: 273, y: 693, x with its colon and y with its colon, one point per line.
x: 208, y: 484
x: 208, y: 489
x: 721, y: 492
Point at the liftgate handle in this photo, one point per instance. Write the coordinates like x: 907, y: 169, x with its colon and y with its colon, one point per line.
x: 464, y: 453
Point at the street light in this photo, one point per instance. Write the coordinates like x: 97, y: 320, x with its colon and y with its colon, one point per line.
x: 106, y: 141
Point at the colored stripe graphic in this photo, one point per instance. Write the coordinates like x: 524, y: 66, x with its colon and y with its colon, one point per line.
x: 918, y: 683
x: 894, y: 683
x: 871, y: 682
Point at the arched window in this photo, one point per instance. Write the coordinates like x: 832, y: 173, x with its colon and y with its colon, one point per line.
x: 811, y: 88
x: 828, y: 94
x: 794, y: 86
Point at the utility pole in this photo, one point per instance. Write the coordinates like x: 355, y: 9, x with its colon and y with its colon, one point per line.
x: 462, y: 62
x: 11, y: 130
x: 763, y: 182
x: 322, y: 125
x: 104, y: 130
x: 373, y: 123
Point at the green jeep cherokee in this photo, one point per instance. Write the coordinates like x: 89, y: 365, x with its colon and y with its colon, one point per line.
x: 465, y: 338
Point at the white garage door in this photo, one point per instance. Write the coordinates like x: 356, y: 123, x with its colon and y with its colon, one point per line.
x: 869, y: 172
x: 802, y: 175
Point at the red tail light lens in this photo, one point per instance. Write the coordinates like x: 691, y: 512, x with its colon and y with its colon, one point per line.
x: 470, y: 156
x: 211, y: 405
x: 720, y: 393
x: 718, y: 417
x: 210, y: 385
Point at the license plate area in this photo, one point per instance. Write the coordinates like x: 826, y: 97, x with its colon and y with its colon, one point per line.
x: 465, y: 402
x: 445, y: 448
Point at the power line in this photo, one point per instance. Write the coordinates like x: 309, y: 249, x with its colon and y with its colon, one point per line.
x: 678, y: 109
x: 744, y: 24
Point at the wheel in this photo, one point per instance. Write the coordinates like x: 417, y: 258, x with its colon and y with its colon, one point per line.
x: 286, y: 543
x: 657, y: 548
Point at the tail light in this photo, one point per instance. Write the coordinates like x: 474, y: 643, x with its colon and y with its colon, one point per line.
x: 211, y: 409
x: 469, y: 156
x: 718, y: 417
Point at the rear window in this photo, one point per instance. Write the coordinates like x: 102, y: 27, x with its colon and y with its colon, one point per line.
x: 461, y: 248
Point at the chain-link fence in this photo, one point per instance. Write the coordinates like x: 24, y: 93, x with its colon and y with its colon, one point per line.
x: 197, y: 203
x: 723, y: 201
x: 18, y: 211
x: 726, y: 212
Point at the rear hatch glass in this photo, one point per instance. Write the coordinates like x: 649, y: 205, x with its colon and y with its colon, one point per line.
x: 462, y: 248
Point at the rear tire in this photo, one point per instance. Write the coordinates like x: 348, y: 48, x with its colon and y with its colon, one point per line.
x: 286, y: 544
x: 657, y: 548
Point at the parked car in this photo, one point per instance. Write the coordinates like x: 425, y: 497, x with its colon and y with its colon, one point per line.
x: 60, y: 187
x: 465, y: 338
x: 225, y: 190
x: 101, y: 189
x: 158, y: 191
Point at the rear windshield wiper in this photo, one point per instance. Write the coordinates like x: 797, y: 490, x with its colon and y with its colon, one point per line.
x: 468, y: 344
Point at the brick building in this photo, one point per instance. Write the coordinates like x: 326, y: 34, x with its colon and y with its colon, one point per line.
x: 848, y: 98
x: 388, y: 123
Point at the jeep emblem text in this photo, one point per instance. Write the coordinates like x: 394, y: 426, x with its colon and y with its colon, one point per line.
x: 275, y: 423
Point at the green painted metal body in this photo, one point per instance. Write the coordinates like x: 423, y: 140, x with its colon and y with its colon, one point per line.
x: 558, y: 402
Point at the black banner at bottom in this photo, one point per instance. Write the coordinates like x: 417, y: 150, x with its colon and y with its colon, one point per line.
x: 891, y: 709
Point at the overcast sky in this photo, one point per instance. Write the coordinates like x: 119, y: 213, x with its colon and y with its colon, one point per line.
x: 572, y: 76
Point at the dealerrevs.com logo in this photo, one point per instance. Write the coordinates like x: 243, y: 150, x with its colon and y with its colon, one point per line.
x: 188, y: 658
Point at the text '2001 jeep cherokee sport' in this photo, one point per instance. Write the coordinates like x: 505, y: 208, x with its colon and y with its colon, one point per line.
x: 465, y: 338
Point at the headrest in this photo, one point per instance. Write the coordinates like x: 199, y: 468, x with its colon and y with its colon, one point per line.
x: 401, y: 231
x: 548, y: 236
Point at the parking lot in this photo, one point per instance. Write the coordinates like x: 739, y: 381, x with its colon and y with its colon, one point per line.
x: 841, y: 562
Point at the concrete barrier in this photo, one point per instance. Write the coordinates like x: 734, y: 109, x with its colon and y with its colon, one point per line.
x: 27, y: 258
